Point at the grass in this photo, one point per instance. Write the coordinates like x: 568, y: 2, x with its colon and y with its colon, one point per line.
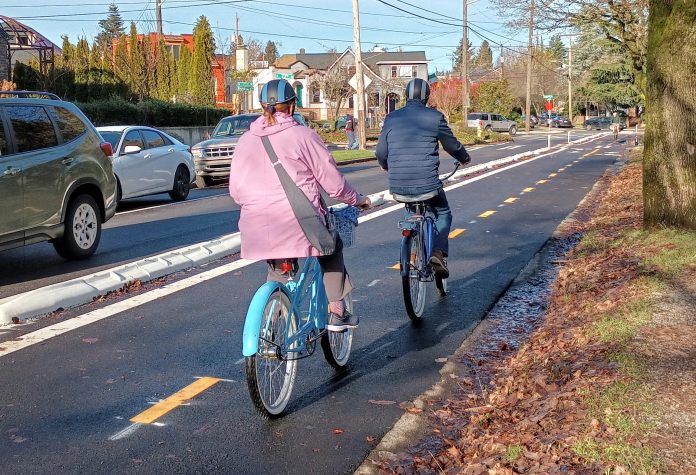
x: 344, y: 155
x: 621, y: 326
x: 513, y: 452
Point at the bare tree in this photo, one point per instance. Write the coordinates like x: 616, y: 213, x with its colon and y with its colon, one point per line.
x: 334, y: 84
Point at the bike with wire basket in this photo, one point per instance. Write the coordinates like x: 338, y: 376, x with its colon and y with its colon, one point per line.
x: 416, y: 249
x: 285, y: 321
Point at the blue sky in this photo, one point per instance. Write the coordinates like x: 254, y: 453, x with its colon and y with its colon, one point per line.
x: 315, y: 25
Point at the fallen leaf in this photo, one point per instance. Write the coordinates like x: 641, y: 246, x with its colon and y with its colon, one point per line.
x: 441, y: 360
x: 370, y: 439
x: 453, y: 451
x: 380, y: 402
x: 338, y: 431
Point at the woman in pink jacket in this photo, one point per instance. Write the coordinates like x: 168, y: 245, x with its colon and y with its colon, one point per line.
x: 267, y: 224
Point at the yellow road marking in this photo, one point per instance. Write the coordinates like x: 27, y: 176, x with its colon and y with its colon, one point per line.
x: 541, y: 182
x: 396, y: 266
x: 510, y: 200
x: 527, y: 190
x: 551, y: 175
x: 456, y: 232
x: 161, y: 408
x: 590, y: 153
x: 486, y: 214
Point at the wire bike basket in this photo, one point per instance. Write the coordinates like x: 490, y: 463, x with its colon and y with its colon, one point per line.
x: 344, y: 221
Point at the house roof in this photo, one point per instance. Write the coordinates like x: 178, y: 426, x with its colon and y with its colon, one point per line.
x: 312, y: 60
x: 372, y: 59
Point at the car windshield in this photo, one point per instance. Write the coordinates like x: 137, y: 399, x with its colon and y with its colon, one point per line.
x: 233, y: 126
x: 112, y: 137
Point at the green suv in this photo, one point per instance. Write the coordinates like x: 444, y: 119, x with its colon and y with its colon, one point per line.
x: 56, y: 177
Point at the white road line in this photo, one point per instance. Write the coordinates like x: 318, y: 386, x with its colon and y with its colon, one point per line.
x: 373, y: 283
x: 51, y: 331
x: 239, y: 361
x: 176, y: 203
x: 131, y: 429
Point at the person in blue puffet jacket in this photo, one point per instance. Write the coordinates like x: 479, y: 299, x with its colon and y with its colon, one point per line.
x: 408, y: 149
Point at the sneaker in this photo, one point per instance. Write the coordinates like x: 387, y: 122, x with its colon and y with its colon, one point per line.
x: 339, y: 324
x: 439, y: 264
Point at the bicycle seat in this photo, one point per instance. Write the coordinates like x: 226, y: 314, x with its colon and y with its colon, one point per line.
x: 415, y: 198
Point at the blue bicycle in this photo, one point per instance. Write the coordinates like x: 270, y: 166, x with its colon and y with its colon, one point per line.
x: 416, y: 249
x: 283, y: 324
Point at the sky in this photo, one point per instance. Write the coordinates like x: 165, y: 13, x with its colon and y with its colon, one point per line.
x: 315, y: 25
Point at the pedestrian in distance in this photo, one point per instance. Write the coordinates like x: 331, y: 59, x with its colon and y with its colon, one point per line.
x: 408, y: 149
x: 350, y: 132
x: 267, y: 224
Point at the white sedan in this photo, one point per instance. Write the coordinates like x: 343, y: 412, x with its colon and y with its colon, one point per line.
x: 148, y: 161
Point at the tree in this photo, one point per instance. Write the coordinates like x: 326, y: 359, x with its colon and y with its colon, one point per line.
x: 271, y: 52
x: 201, y: 79
x: 556, y: 48
x: 136, y: 64
x: 495, y: 96
x: 446, y: 96
x: 112, y: 27
x: 81, y: 68
x: 163, y: 88
x: 122, y: 61
x: 484, y: 58
x: 334, y: 84
x: 457, y: 55
x: 183, y: 73
x: 669, y: 180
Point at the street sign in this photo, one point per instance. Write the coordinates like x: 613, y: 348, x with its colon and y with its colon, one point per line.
x: 548, y: 98
x: 245, y: 86
x: 284, y: 76
x: 354, y: 81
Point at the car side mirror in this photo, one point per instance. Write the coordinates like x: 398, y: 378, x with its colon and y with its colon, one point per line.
x: 131, y: 149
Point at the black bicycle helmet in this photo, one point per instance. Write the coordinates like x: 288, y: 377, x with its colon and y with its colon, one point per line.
x: 276, y: 91
x: 418, y: 89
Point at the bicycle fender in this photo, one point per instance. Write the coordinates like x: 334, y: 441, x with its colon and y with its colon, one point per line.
x: 405, y: 255
x: 252, y: 322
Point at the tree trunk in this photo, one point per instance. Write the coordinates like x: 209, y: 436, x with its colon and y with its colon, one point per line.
x: 669, y: 183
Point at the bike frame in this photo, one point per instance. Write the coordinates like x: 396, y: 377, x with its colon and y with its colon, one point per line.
x: 311, y: 279
x: 418, y: 224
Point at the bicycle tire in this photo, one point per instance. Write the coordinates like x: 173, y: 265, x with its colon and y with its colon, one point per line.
x: 264, y: 368
x: 337, y: 345
x: 414, y: 288
x: 441, y: 285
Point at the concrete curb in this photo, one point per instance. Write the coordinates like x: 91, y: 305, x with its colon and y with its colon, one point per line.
x: 38, y: 302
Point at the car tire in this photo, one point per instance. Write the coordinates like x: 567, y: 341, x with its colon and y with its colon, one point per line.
x: 513, y: 130
x: 119, y: 192
x: 82, y: 229
x: 182, y: 184
x: 203, y: 181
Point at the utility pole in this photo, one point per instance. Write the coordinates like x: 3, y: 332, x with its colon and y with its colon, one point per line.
x: 502, y: 61
x: 465, y: 66
x: 570, y: 78
x: 159, y: 18
x: 359, y: 75
x: 528, y: 104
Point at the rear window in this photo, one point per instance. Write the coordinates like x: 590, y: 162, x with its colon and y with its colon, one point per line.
x: 473, y: 117
x: 233, y: 125
x: 112, y: 137
x: 33, y: 129
x: 153, y: 139
x: 69, y: 124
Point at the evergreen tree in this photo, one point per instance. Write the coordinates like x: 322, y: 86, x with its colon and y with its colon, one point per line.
x: 136, y: 77
x: 65, y: 74
x: 556, y: 48
x: 183, y: 72
x: 201, y: 79
x: 150, y: 83
x: 112, y: 27
x: 81, y: 68
x: 271, y: 52
x: 173, y: 77
x: 162, y: 72
x: 495, y: 96
x: 122, y: 61
x: 457, y: 56
x: 484, y: 58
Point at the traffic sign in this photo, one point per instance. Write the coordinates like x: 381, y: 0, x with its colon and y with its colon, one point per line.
x: 284, y: 76
x: 245, y: 86
x: 549, y: 97
x: 354, y: 81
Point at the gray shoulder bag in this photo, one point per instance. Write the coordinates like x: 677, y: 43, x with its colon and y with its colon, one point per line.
x: 312, y: 224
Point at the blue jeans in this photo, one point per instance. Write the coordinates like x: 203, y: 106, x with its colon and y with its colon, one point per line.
x: 439, y: 209
x: 352, y: 143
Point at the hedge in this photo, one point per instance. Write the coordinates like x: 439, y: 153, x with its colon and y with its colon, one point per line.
x: 154, y: 113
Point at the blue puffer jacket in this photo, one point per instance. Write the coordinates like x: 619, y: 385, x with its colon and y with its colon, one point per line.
x: 408, y: 148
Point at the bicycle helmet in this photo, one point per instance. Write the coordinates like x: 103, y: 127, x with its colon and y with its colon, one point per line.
x: 418, y: 89
x: 276, y: 91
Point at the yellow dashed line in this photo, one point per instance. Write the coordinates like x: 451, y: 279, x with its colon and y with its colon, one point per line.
x: 541, y: 182
x: 590, y: 153
x: 486, y: 214
x: 527, y: 190
x: 396, y: 266
x: 551, y: 175
x: 456, y: 232
x: 510, y: 200
x: 161, y: 408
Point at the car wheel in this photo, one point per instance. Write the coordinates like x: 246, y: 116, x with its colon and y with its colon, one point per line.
x: 513, y: 130
x: 119, y: 192
x: 182, y: 184
x: 488, y: 129
x: 203, y: 181
x: 82, y: 229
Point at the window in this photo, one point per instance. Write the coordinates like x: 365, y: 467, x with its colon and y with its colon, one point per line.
x: 153, y: 139
x: 32, y: 127
x: 394, y: 72
x: 414, y: 71
x: 69, y: 124
x: 315, y: 93
x: 133, y: 138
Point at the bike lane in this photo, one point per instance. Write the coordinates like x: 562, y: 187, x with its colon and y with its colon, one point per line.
x: 68, y: 402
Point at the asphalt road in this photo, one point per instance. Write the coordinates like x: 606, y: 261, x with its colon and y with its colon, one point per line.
x: 152, y: 225
x: 67, y: 400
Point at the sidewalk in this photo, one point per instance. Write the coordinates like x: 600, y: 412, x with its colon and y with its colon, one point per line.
x: 592, y: 370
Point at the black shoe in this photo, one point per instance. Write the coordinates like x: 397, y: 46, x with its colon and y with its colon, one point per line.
x: 439, y: 264
x: 339, y: 324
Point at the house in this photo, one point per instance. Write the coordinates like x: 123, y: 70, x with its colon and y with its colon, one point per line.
x: 25, y: 45
x: 386, y: 72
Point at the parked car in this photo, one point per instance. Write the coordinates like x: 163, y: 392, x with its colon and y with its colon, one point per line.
x: 56, y: 177
x: 601, y: 123
x: 148, y: 161
x: 489, y: 121
x: 560, y: 121
x: 533, y: 120
x: 212, y: 156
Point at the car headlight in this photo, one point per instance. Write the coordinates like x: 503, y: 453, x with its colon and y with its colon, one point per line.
x: 197, y: 153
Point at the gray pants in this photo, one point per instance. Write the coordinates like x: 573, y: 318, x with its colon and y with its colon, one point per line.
x: 336, y: 280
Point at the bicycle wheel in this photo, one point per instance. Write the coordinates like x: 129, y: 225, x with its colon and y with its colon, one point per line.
x: 413, y: 286
x: 336, y: 345
x: 441, y: 285
x: 271, y: 371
